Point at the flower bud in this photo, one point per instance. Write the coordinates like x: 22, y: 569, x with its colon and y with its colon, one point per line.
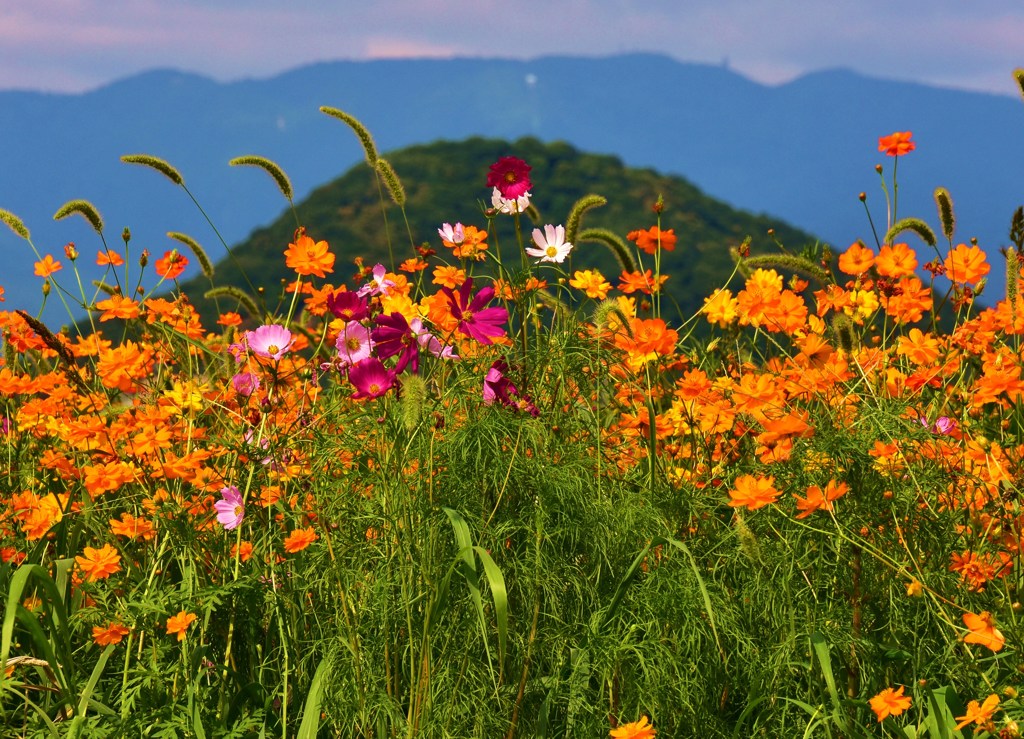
x: 862, y: 197
x: 126, y: 235
x: 70, y: 251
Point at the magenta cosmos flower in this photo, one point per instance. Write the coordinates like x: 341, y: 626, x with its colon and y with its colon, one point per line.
x: 370, y: 378
x: 392, y: 336
x: 511, y: 176
x: 230, y: 508
x: 271, y: 341
x: 476, y: 320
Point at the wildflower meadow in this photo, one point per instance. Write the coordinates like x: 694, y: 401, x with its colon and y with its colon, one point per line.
x: 483, y: 490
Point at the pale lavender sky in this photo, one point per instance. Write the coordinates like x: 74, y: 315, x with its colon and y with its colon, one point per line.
x: 77, y: 45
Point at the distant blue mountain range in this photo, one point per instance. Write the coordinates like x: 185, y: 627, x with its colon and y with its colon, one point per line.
x: 800, y: 151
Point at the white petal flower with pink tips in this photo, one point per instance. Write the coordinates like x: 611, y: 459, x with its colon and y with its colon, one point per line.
x: 551, y: 244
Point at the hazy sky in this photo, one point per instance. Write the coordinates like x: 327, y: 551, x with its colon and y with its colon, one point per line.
x: 75, y: 45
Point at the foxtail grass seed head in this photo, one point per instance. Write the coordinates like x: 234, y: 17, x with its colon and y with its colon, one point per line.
x: 83, y: 208
x: 414, y: 398
x: 789, y: 262
x: 14, y: 223
x: 369, y: 147
x: 623, y: 254
x: 581, y: 206
x: 749, y: 545
x: 843, y: 332
x: 238, y: 295
x: 105, y: 287
x: 277, y: 174
x: 156, y: 163
x: 946, y: 217
x: 916, y: 225
x: 391, y: 181
x: 1017, y: 229
x: 201, y: 256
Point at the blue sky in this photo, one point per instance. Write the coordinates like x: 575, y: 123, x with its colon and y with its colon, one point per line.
x: 76, y: 45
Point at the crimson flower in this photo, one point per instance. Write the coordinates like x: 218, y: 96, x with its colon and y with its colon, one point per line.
x: 511, y: 176
x: 475, y: 320
x: 348, y: 306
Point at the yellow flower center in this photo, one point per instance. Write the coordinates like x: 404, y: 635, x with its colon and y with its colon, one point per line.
x: 272, y: 349
x: 551, y: 251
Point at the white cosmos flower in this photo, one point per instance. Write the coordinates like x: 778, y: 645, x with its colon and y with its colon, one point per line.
x: 551, y: 244
x: 505, y: 205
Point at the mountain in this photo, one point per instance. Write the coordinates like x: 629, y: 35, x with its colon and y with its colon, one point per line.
x: 800, y: 151
x: 442, y: 183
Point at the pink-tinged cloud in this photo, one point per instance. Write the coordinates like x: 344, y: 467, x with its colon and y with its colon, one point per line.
x: 382, y: 47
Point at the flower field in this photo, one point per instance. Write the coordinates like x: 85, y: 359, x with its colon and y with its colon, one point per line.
x: 485, y: 490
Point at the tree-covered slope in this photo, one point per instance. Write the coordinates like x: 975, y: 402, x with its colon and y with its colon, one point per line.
x: 444, y: 181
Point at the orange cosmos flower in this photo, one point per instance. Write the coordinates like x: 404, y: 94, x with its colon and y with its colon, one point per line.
x: 974, y: 570
x: 889, y: 703
x: 118, y: 306
x: 979, y: 714
x: 898, y: 260
x: 630, y: 282
x: 171, y: 264
x: 47, y: 266
x: 109, y: 257
x: 98, y: 564
x: 966, y: 264
x: 308, y: 257
x: 133, y: 528
x: 413, y: 264
x: 641, y: 729
x: 299, y: 539
x: 856, y: 260
x: 818, y: 499
x: 179, y: 624
x: 112, y: 633
x: 896, y: 144
x: 592, y: 283
x: 244, y: 553
x: 450, y: 277
x: 229, y: 318
x: 472, y: 246
x: 721, y: 307
x: 983, y: 631
x: 752, y: 492
x: 648, y: 240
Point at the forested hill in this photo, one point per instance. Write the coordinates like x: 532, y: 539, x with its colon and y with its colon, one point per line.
x: 444, y: 181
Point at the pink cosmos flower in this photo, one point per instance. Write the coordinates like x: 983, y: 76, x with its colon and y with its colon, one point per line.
x: 271, y: 341
x: 377, y: 286
x: 370, y: 378
x: 452, y: 234
x: 475, y: 320
x: 245, y: 383
x: 230, y: 508
x: 551, y: 244
x: 511, y: 176
x: 354, y: 344
x: 428, y: 341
